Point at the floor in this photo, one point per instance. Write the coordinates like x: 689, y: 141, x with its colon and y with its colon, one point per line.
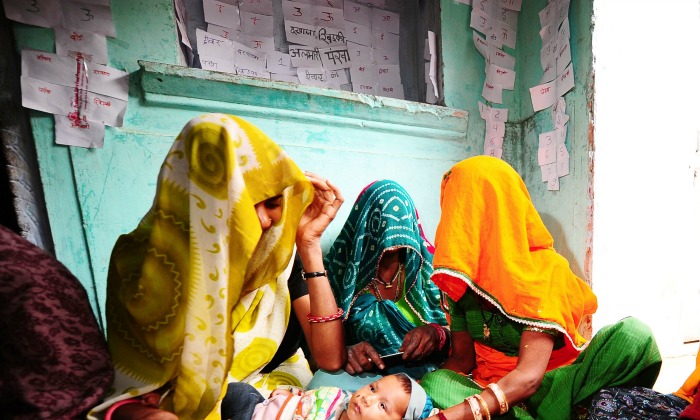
x: 675, y: 370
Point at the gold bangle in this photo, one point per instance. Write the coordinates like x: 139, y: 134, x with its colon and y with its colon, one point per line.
x: 500, y: 397
x: 484, y: 406
x: 476, y: 408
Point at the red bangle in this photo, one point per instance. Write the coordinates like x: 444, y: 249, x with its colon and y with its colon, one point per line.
x: 441, y: 333
x: 441, y: 416
x: 317, y: 319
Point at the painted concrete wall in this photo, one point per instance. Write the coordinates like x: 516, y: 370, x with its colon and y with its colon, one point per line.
x: 646, y: 242
x: 94, y: 195
x: 566, y: 212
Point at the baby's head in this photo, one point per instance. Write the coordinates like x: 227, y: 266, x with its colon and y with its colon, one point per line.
x: 394, y: 397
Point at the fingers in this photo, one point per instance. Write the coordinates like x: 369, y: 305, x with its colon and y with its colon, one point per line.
x: 417, y: 344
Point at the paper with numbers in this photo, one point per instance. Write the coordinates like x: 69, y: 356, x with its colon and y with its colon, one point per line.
x: 44, y: 13
x: 88, y: 17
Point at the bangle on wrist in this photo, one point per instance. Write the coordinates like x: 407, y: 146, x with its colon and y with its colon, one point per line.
x: 500, y: 397
x: 484, y: 407
x: 313, y: 274
x: 319, y: 319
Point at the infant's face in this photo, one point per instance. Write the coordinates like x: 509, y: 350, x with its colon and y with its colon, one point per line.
x: 382, y: 399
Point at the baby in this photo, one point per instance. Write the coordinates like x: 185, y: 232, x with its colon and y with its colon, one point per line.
x: 393, y: 397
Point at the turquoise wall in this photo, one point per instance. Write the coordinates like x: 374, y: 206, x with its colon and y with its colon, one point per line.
x: 567, y: 212
x: 94, y: 195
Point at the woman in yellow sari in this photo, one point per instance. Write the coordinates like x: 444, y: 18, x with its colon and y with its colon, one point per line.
x: 197, y: 295
x: 516, y: 308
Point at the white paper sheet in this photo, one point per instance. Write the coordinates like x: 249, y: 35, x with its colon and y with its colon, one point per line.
x: 495, y: 128
x: 481, y: 45
x: 500, y: 75
x: 295, y: 11
x: 390, y: 91
x: 495, y: 114
x: 92, y: 46
x: 280, y: 63
x: 301, y: 33
x: 108, y: 81
x: 364, y: 88
x: 357, y: 13
x: 210, y: 45
x: 249, y: 55
x: 256, y: 24
x: 548, y: 171
x: 329, y: 17
x: 50, y: 67
x: 260, y: 43
x: 217, y: 64
x: 501, y: 58
x: 263, y: 7
x: 44, y: 13
x: 384, y: 40
x: 221, y: 14
x: 313, y: 76
x: 553, y: 184
x: 363, y: 74
x: 507, y: 16
x: 493, y: 141
x: 303, y: 56
x: 89, y: 135
x: 336, y: 4
x: 359, y: 54
x: 330, y: 37
x: 493, y: 151
x: 87, y: 17
x: 388, y: 74
x: 251, y: 67
x: 504, y: 35
x: 563, y: 160
x: 106, y: 109
x: 386, y: 56
x: 549, y: 73
x: 492, y: 92
x: 334, y: 58
x: 480, y: 21
x: 45, y: 96
x: 377, y: 3
x: 565, y: 81
x: 358, y: 34
x: 184, y: 38
x: 338, y: 77
x: 432, y: 74
x: 224, y: 32
x: 564, y: 57
x: 546, y: 152
x: 61, y: 70
x: 385, y: 21
x: 544, y: 95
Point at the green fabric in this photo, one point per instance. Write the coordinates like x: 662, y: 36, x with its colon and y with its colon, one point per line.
x: 383, y: 217
x: 468, y: 315
x: 622, y: 354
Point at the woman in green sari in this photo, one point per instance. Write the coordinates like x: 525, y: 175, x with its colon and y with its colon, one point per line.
x: 379, y: 269
x: 516, y: 309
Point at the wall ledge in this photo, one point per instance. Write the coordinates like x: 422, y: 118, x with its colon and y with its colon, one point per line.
x: 177, y: 86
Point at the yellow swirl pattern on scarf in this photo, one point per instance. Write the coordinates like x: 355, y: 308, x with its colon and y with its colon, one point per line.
x: 198, y: 291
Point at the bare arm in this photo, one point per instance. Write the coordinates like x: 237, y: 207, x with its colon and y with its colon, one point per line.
x: 519, y: 384
x: 462, y: 358
x: 326, y: 339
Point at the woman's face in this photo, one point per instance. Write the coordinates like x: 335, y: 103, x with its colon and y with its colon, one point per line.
x: 269, y: 211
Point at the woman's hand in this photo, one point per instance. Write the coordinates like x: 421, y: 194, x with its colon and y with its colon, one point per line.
x: 420, y: 342
x: 362, y: 357
x: 320, y: 213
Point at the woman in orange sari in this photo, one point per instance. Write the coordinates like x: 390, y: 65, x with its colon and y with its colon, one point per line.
x: 516, y: 307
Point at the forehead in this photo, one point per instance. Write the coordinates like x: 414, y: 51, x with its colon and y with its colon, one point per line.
x: 391, y: 389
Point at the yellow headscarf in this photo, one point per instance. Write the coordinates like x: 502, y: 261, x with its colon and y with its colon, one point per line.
x: 192, y: 292
x: 492, y: 240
